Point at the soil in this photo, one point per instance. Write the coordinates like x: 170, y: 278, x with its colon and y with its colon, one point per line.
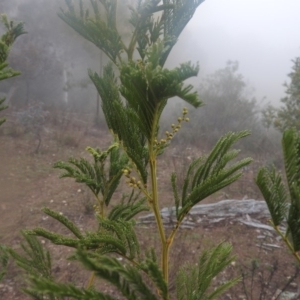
x: 28, y: 183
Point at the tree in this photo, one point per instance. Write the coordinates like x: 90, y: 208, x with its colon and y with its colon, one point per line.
x: 46, y: 57
x: 228, y: 104
x: 12, y: 33
x: 134, y: 92
x: 37, y: 56
x: 288, y: 115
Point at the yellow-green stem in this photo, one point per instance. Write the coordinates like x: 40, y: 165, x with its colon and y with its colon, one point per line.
x: 156, y: 210
x: 285, y: 239
x: 155, y: 203
x: 101, y: 206
x: 171, y: 237
x: 91, y: 281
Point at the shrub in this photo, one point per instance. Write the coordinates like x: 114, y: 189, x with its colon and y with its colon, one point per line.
x: 134, y: 93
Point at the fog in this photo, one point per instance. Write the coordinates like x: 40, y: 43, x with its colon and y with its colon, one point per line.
x: 260, y: 34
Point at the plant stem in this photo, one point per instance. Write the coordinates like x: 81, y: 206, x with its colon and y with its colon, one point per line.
x: 285, y: 239
x: 91, y: 280
x: 101, y: 206
x: 156, y: 210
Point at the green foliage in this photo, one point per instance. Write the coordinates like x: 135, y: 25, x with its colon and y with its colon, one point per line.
x: 206, y: 175
x: 284, y: 200
x: 126, y: 279
x: 134, y: 93
x: 35, y: 261
x: 273, y: 189
x: 111, y: 237
x: 99, y: 25
x: 193, y: 282
x: 55, y: 290
x: 4, y: 258
x: 2, y: 107
x: 287, y: 115
x: 6, y: 41
x: 12, y: 33
x: 95, y: 176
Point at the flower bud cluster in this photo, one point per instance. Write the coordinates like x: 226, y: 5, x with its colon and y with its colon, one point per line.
x: 175, y: 129
x: 97, y: 209
x: 132, y: 181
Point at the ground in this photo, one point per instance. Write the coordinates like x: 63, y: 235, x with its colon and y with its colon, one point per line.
x: 28, y: 182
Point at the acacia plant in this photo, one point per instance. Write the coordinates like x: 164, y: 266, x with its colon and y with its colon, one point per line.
x: 134, y: 90
x: 283, y: 200
x: 12, y: 32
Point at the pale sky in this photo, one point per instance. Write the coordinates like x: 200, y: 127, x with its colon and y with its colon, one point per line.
x: 263, y: 35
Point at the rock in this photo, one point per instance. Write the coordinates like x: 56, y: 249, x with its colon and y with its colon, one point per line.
x: 224, y: 208
x: 242, y: 211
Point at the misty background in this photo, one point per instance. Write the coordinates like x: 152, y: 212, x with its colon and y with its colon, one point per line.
x: 244, y: 48
x: 259, y: 34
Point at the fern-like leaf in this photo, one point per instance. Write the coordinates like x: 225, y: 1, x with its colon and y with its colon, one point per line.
x: 194, y: 282
x: 36, y: 260
x: 152, y: 269
x: 126, y: 279
x: 275, y: 194
x: 64, y: 220
x: 4, y: 258
x: 207, y: 175
x: 52, y: 288
x: 294, y: 226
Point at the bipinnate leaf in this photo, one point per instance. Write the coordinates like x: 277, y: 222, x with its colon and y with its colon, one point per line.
x: 2, y: 107
x: 63, y: 220
x: 195, y: 282
x: 175, y: 192
x: 7, y: 39
x: 278, y: 196
x: 35, y: 260
x: 95, y: 174
x: 113, y: 236
x: 4, y: 258
x: 126, y: 278
x: 294, y: 226
x: 207, y: 175
x: 175, y: 21
x: 291, y: 154
x: 274, y: 193
x: 54, y: 289
x: 128, y: 211
x: 100, y: 31
x: 152, y: 269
